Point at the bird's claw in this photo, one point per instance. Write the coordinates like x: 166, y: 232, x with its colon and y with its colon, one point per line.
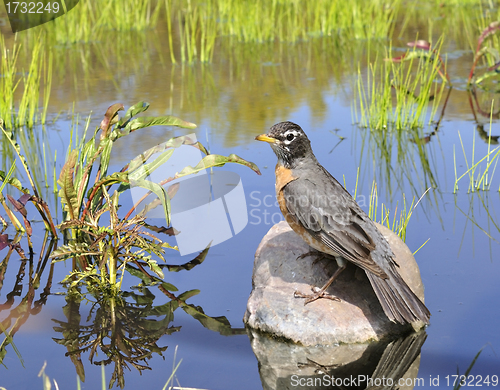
x: 317, y: 294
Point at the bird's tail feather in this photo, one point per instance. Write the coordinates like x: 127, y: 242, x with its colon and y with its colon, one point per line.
x: 399, y: 302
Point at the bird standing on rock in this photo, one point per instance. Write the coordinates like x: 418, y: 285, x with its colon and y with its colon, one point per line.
x: 325, y: 215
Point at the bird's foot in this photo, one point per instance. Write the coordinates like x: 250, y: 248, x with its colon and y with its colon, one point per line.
x: 319, y: 369
x: 317, y: 294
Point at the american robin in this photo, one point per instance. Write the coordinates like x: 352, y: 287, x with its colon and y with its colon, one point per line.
x: 325, y: 215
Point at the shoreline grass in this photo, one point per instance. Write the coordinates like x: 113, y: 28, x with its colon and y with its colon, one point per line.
x: 199, y: 23
x: 193, y: 26
x: 400, y: 90
x: 28, y: 85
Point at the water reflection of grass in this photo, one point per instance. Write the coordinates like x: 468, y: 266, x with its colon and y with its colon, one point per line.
x: 29, y: 280
x: 403, y: 157
x: 479, y: 203
x: 466, y: 379
x: 480, y: 173
x: 169, y: 385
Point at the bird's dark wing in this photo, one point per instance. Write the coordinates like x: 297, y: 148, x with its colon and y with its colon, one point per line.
x: 331, y: 215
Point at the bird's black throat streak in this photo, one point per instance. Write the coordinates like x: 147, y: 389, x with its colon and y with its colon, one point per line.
x: 284, y: 158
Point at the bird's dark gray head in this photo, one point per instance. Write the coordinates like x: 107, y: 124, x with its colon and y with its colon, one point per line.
x: 288, y: 141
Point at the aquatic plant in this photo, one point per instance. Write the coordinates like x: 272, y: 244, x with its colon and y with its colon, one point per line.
x: 399, y: 222
x: 489, y: 54
x: 38, y: 76
x: 462, y: 380
x: 396, y: 101
x: 103, y: 251
x: 199, y: 23
x: 89, y: 20
x: 78, y: 25
x: 480, y: 173
x: 399, y: 91
x: 197, y: 31
x: 28, y: 195
x: 129, y: 14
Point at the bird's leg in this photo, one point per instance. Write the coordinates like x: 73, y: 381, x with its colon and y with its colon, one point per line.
x: 313, y: 252
x: 321, y: 293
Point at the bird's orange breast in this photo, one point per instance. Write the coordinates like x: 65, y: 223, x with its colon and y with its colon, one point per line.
x: 283, y: 177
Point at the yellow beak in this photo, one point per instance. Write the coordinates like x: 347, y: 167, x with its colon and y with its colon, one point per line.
x: 266, y: 138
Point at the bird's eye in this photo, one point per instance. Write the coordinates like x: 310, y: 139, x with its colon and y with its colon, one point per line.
x: 290, y: 137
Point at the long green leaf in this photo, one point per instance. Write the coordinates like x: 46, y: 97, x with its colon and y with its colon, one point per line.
x: 106, y: 145
x: 85, y: 164
x: 13, y: 181
x: 458, y: 383
x: 146, y: 121
x: 175, y: 142
x: 67, y: 192
x: 188, y: 294
x: 146, y: 169
x: 215, y: 160
x: 159, y: 191
x: 133, y: 111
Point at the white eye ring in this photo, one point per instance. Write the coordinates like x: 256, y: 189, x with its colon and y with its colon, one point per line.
x: 290, y: 135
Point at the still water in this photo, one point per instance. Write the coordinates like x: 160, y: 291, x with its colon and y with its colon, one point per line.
x: 232, y: 100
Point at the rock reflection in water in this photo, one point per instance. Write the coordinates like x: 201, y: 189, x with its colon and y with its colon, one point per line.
x: 388, y: 364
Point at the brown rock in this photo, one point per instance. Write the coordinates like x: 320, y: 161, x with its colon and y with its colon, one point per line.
x: 358, y: 317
